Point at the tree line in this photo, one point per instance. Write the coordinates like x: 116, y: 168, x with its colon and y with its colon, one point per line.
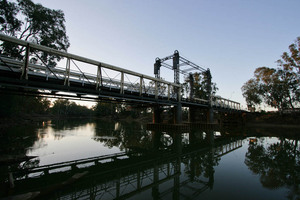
x: 18, y: 105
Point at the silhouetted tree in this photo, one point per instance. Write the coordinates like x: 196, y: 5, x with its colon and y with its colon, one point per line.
x: 15, y: 104
x: 64, y: 107
x: 104, y: 109
x: 32, y: 22
x: 252, y: 93
x: 200, y: 89
x: 278, y: 88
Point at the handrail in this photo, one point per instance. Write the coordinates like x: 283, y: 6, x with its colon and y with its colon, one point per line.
x: 79, y: 58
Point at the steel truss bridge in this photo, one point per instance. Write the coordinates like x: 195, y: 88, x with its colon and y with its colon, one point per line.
x: 86, y: 79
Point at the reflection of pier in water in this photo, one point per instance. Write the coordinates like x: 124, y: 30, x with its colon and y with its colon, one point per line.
x: 126, y: 175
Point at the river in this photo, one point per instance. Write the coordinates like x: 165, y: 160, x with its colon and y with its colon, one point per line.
x: 113, y: 160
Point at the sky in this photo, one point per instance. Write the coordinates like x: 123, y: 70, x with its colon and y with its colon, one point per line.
x: 230, y: 37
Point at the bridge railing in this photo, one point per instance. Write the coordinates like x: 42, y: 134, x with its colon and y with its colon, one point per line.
x: 220, y: 102
x: 100, y: 75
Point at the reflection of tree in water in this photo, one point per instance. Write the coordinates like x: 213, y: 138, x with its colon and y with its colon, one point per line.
x: 61, y: 128
x: 60, y: 125
x: 15, y: 142
x: 122, y: 135
x: 277, y: 164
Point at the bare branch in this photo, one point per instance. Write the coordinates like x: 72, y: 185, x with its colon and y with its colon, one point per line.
x: 25, y: 30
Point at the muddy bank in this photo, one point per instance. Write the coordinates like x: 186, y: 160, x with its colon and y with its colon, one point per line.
x: 291, y: 120
x: 271, y: 125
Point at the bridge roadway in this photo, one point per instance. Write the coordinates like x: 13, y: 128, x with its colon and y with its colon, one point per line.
x: 132, y: 179
x: 108, y: 83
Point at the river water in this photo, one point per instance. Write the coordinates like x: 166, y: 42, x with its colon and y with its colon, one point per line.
x: 126, y: 161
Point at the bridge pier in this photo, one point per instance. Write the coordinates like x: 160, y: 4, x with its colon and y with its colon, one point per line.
x: 201, y: 115
x: 210, y: 115
x: 178, y: 114
x: 231, y: 119
x: 156, y: 114
x: 157, y: 117
x: 192, y: 115
x: 156, y: 143
x: 155, y: 188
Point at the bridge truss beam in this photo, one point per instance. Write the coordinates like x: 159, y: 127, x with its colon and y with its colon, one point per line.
x: 24, y: 73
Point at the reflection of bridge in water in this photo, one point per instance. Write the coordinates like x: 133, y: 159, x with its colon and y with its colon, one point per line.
x: 124, y: 175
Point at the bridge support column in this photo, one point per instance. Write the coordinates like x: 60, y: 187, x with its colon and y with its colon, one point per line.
x: 210, y: 169
x: 210, y: 112
x: 178, y: 114
x: 177, y: 138
x: 156, y: 115
x: 210, y: 138
x: 156, y: 143
x: 210, y: 115
x: 192, y: 114
x: 155, y: 188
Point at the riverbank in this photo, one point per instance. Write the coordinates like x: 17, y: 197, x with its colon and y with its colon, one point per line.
x: 273, y: 120
x: 269, y: 125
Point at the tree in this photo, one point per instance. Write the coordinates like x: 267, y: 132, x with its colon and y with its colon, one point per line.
x: 12, y: 105
x: 32, y: 22
x: 290, y: 72
x: 200, y: 85
x: 291, y: 61
x: 104, y: 109
x: 251, y: 92
x: 278, y: 88
x: 271, y: 87
x: 61, y: 107
x: 64, y: 107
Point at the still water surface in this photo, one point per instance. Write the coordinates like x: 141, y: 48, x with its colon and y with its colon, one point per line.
x: 201, y: 164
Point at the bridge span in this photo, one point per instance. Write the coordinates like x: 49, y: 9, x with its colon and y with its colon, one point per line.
x: 81, y: 78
